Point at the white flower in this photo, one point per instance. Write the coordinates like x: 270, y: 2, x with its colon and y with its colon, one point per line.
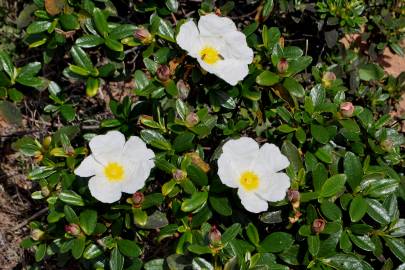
x: 254, y: 171
x: 116, y: 166
x: 218, y: 46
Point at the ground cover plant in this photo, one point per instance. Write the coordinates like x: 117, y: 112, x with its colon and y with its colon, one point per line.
x: 208, y: 134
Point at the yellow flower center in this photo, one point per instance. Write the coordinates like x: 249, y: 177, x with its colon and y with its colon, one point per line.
x: 249, y: 180
x: 114, y: 172
x: 210, y: 55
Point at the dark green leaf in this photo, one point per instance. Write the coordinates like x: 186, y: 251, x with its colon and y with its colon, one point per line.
x: 88, y: 221
x: 276, y: 242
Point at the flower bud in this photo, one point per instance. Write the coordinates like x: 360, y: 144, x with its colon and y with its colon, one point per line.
x: 347, y: 109
x: 214, y: 235
x: 37, y: 234
x: 73, y: 229
x: 179, y: 175
x: 138, y: 199
x: 192, y: 119
x: 328, y: 78
x: 47, y: 141
x: 282, y: 65
x: 294, y: 197
x: 143, y: 35
x: 318, y: 225
x: 45, y: 191
x: 183, y: 88
x: 163, y: 73
x: 387, y: 145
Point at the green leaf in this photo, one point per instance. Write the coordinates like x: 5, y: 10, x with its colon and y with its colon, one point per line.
x: 331, y: 211
x: 196, y: 201
x: 92, y: 251
x: 172, y: 5
x: 368, y: 72
x: 116, y: 260
x: 267, y: 7
x: 70, y: 214
x: 294, y: 87
x: 40, y: 252
x: 30, y: 70
x: 197, y: 175
x: 184, y: 142
x: 291, y: 151
x: 69, y: 22
x: 128, y: 248
x: 276, y: 242
x: 30, y: 81
x: 78, y: 247
x: 333, y: 185
x: 163, y: 28
x: 253, y: 234
x: 155, y: 139
x: 221, y: 205
x: 89, y: 41
x: 382, y: 187
x: 100, y: 22
x: 397, y: 247
x: 114, y: 45
x: 71, y: 197
x: 81, y: 58
x: 88, y: 221
x: 364, y: 242
x: 377, y: 211
x: 353, y: 169
x: 68, y: 112
x: 231, y: 233
x: 313, y: 244
x: 320, y: 133
x: 141, y: 80
x: 38, y: 27
x: 267, y: 78
x: 358, y: 208
x: 92, y: 86
x: 122, y: 31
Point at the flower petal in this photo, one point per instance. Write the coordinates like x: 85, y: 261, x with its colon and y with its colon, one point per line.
x: 88, y: 167
x: 107, y: 147
x: 136, y: 180
x: 103, y: 190
x: 275, y: 187
x: 252, y: 202
x: 213, y: 25
x: 230, y: 70
x: 227, y: 172
x: 188, y: 38
x: 270, y: 156
x: 238, y: 48
x: 135, y: 150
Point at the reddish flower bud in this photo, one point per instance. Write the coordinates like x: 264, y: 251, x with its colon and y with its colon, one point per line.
x: 143, y: 35
x: 214, y: 235
x: 318, y: 225
x: 138, y: 199
x: 282, y: 65
x: 347, y: 109
x: 294, y: 197
x: 163, y: 73
x: 183, y: 88
x: 192, y: 119
x: 179, y: 175
x: 73, y: 229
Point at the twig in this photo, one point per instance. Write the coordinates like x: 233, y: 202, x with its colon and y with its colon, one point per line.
x: 34, y: 216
